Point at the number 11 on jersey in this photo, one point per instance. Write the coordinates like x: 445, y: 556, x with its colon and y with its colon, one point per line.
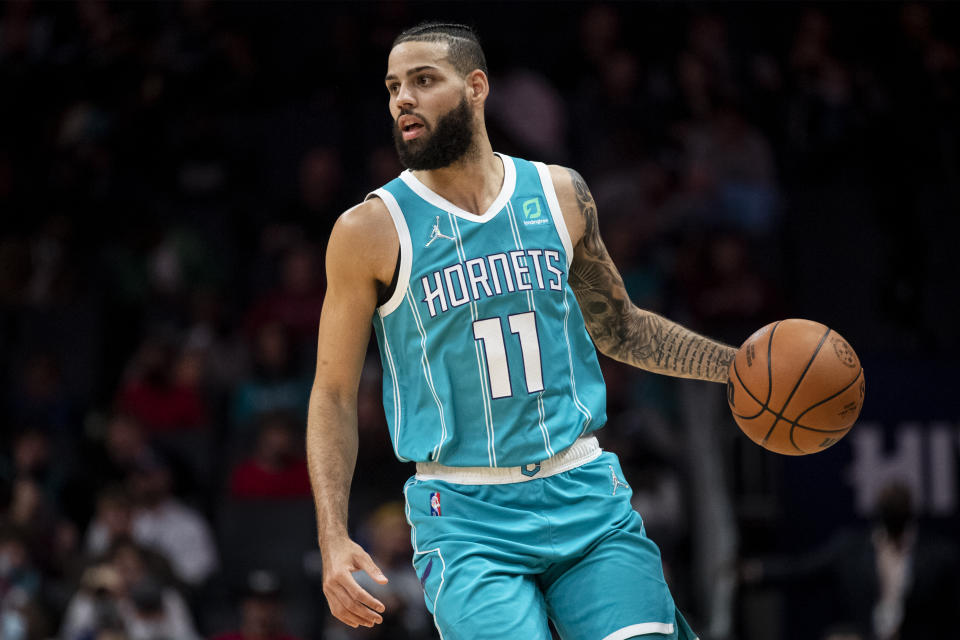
x: 489, y: 332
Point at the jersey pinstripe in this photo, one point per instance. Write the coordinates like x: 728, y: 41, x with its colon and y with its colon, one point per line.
x: 486, y: 358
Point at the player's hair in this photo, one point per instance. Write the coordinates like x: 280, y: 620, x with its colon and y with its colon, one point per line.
x: 463, y: 46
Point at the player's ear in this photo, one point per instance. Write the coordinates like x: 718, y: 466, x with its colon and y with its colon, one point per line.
x: 478, y: 86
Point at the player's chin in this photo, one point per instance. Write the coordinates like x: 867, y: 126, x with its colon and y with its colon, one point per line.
x: 415, y: 143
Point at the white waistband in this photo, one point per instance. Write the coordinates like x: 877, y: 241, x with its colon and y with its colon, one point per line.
x: 580, y: 452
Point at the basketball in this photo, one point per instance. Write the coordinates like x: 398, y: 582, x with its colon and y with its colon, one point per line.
x: 795, y: 387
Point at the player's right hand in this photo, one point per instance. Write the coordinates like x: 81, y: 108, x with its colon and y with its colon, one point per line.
x: 348, y: 601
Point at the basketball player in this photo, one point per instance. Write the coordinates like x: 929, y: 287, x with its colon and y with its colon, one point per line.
x: 485, y: 278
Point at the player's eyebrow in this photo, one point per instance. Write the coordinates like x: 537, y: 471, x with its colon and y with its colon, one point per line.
x: 423, y: 67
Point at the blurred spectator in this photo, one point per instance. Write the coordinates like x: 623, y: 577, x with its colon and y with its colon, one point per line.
x: 821, y: 113
x: 261, y: 611
x: 18, y: 575
x: 275, y: 385
x: 295, y: 304
x: 531, y: 111
x: 277, y: 468
x: 725, y: 292
x: 599, y: 34
x: 38, y: 397
x: 21, y: 617
x: 50, y: 538
x: 383, y: 165
x: 707, y: 41
x: 730, y: 167
x: 35, y: 518
x: 23, y: 33
x: 33, y: 458
x: 212, y: 336
x: 54, y: 268
x: 109, y: 462
x: 180, y: 262
x: 164, y: 523
x: 321, y: 177
x: 122, y: 595
x: 125, y: 447
x: 891, y: 581
x: 112, y: 522
x: 161, y: 390
x: 164, y: 392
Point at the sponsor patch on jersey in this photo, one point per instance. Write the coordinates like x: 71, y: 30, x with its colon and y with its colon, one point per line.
x: 435, y: 503
x: 533, y: 213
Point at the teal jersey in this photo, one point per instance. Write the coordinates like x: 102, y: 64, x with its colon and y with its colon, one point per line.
x: 486, y: 358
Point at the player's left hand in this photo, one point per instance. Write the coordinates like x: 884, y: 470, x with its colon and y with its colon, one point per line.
x: 349, y: 602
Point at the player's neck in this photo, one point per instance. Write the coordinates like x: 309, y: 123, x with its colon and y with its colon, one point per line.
x: 472, y: 183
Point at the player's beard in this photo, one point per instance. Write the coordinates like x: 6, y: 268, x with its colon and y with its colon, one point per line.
x: 447, y: 143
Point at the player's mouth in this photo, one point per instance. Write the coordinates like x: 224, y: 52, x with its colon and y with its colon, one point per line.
x: 410, y: 127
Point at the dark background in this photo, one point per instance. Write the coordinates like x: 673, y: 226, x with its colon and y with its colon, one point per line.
x: 170, y: 171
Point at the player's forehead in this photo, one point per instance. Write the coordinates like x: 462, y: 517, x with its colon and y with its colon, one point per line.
x: 407, y: 57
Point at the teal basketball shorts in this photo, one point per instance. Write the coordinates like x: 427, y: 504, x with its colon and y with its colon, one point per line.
x: 497, y: 560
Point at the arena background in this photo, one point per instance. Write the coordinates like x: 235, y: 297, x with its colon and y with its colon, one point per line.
x: 169, y: 173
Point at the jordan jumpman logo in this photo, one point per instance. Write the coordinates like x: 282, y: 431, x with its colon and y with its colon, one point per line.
x: 617, y: 482
x: 436, y: 233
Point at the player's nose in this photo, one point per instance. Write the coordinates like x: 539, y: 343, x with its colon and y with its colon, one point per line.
x: 405, y: 98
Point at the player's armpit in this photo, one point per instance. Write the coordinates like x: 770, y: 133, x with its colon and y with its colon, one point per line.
x: 618, y: 328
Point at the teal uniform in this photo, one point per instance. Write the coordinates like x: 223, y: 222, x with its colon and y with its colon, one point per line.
x: 487, y: 363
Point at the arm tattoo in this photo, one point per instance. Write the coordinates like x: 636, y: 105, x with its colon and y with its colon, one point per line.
x: 621, y: 330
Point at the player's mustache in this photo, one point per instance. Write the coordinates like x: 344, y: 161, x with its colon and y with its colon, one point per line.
x: 396, y: 122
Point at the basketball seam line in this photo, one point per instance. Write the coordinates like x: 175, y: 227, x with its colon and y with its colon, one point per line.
x: 779, y: 416
x: 763, y: 406
x: 796, y: 422
x: 770, y: 366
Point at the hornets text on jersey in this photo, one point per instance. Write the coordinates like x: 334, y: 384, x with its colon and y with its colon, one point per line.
x: 486, y: 358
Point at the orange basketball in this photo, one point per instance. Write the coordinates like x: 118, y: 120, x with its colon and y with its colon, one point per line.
x: 795, y: 387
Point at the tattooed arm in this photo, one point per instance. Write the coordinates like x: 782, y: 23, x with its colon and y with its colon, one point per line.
x: 619, y: 328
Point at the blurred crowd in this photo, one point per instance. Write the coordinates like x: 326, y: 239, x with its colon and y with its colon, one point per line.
x: 169, y: 172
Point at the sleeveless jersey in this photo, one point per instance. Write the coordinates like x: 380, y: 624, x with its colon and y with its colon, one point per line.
x: 486, y: 359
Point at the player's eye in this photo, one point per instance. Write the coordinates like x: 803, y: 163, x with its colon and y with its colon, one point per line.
x: 424, y: 80
x: 393, y: 87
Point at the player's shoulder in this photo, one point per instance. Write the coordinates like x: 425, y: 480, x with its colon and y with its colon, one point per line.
x: 366, y: 222
x: 366, y: 215
x: 568, y: 183
x: 364, y: 230
x: 576, y: 202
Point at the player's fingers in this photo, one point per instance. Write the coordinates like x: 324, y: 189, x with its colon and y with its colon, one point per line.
x: 366, y: 563
x: 344, y: 607
x: 338, y: 611
x: 350, y: 612
x: 359, y: 595
x: 349, y: 619
x: 359, y: 603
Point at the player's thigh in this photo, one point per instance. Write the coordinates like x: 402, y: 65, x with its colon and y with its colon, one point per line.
x: 615, y: 591
x: 472, y: 599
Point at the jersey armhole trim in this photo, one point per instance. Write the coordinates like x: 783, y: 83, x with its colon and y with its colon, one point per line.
x: 406, y: 251
x: 546, y: 181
